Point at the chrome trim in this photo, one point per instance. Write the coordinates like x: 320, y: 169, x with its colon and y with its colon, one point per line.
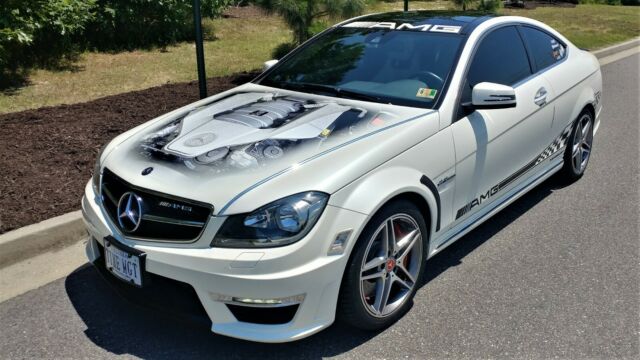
x: 166, y: 220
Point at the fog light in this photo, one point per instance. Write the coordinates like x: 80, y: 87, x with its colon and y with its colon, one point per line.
x: 340, y: 243
x: 257, y: 301
x: 297, y: 299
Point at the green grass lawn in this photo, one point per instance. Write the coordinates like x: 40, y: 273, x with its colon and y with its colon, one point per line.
x: 242, y: 44
x: 588, y: 26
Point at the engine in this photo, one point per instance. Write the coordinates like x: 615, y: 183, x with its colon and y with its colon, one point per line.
x: 249, y: 134
x: 265, y: 114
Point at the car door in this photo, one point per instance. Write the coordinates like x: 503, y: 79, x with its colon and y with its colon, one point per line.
x: 495, y: 148
x: 548, y: 54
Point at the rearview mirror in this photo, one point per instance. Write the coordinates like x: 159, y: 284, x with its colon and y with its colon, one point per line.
x: 488, y: 95
x: 268, y: 64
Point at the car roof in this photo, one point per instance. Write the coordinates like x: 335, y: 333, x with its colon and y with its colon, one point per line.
x: 467, y: 22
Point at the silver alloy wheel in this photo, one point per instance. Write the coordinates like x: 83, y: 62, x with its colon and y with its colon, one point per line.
x: 582, y: 141
x: 390, y: 265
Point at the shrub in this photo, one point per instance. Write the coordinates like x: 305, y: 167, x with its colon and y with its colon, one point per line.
x: 47, y: 32
x: 129, y: 24
x: 604, y: 2
x: 463, y: 4
x: 40, y: 31
x: 489, y: 5
x: 283, y: 49
x: 215, y: 8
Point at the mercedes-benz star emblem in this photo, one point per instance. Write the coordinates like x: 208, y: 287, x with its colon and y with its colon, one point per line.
x: 129, y: 211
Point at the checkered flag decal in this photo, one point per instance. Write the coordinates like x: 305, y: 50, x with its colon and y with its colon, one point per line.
x: 558, y: 144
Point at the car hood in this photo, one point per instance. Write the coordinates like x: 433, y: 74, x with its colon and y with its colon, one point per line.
x: 223, y: 147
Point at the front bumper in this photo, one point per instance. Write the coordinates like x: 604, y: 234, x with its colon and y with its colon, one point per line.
x: 302, y: 271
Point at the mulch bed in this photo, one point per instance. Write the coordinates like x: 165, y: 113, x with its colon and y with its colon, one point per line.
x: 530, y: 4
x: 47, y: 154
x: 244, y: 12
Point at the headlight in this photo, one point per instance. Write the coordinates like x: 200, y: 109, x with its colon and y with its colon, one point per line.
x: 279, y: 223
x: 95, y: 178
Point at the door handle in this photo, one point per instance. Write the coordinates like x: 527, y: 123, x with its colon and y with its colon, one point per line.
x: 541, y: 97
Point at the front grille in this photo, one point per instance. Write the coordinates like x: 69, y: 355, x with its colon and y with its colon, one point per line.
x: 164, y: 217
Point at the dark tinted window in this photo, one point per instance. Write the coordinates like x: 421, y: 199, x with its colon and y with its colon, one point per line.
x: 398, y: 66
x: 500, y: 58
x: 546, y: 50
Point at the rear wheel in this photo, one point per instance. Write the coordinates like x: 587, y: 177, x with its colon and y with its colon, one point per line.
x: 385, y: 269
x: 578, y: 151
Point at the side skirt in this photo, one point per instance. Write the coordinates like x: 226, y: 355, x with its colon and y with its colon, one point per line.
x: 496, y: 206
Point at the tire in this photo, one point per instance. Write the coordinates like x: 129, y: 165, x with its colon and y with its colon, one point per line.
x: 579, y: 147
x: 360, y: 303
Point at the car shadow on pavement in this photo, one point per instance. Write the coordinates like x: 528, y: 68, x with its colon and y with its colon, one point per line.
x: 120, y: 328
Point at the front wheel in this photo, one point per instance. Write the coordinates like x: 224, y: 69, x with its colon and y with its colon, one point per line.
x: 385, y: 268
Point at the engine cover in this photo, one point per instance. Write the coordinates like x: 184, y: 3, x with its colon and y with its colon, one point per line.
x: 248, y: 118
x: 264, y: 114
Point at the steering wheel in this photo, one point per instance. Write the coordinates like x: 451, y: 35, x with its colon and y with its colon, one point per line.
x: 432, y: 80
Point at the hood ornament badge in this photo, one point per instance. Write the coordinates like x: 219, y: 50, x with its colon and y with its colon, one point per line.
x: 200, y: 140
x: 129, y: 212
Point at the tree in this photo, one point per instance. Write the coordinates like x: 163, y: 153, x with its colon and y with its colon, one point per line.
x: 301, y: 14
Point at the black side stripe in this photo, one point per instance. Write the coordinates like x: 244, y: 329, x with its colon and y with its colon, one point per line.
x: 517, y: 174
x: 424, y: 180
x: 558, y: 144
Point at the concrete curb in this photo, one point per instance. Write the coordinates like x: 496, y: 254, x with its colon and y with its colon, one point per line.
x: 617, y: 48
x: 32, y: 240
x: 67, y: 229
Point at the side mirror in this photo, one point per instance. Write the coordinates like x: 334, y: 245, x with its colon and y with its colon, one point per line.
x: 488, y: 95
x: 268, y: 64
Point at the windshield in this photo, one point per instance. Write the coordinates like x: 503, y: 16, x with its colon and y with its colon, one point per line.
x: 400, y: 67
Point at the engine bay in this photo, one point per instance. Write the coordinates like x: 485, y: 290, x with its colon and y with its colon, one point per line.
x: 247, y: 130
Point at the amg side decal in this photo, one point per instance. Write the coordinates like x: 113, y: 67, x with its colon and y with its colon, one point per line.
x: 558, y: 144
x: 477, y: 201
x: 445, y: 179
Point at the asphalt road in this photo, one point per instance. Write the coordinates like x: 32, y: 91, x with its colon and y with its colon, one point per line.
x: 556, y: 274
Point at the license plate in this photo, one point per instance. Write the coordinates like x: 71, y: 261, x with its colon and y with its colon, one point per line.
x: 122, y: 263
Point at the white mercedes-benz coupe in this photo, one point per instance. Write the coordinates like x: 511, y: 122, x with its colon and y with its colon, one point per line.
x: 320, y: 189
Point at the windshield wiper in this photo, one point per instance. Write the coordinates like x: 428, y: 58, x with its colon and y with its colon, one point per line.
x: 339, y: 92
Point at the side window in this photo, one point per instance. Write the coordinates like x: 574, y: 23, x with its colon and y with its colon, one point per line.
x: 501, y: 58
x: 546, y: 50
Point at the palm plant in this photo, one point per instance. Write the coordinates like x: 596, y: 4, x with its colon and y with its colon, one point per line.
x: 300, y: 15
x: 463, y: 3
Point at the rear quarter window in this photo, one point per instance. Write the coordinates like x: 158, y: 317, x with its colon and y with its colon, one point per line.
x: 545, y: 49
